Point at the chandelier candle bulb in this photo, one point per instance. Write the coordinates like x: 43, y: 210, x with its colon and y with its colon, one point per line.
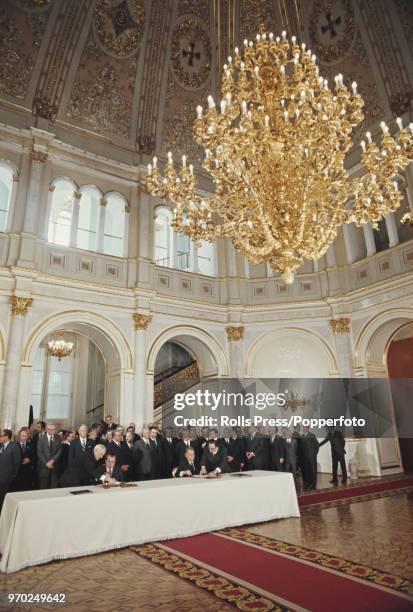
x: 236, y: 51
x: 354, y: 87
x: 199, y: 111
x: 368, y: 136
x: 169, y: 157
x: 245, y: 42
x: 228, y: 98
x: 223, y: 105
x: 271, y: 36
x: 399, y: 123
x: 155, y: 162
x: 184, y: 161
x: 284, y: 34
x: 363, y: 146
x: 384, y: 128
x: 149, y: 169
x: 191, y: 169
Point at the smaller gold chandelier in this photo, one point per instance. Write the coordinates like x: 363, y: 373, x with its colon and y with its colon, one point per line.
x: 407, y: 219
x: 60, y: 347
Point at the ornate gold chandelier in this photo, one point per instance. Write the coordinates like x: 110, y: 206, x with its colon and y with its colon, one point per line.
x: 276, y: 151
x: 60, y: 347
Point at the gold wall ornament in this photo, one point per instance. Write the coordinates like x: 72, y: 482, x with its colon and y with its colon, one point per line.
x: 59, y: 347
x: 235, y: 333
x: 39, y: 157
x: 276, y: 149
x: 341, y: 325
x: 20, y: 305
x: 103, y: 202
x: 141, y: 321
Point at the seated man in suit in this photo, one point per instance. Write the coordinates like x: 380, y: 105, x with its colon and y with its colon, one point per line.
x: 10, y: 460
x: 214, y: 460
x: 186, y: 466
x: 110, y: 471
x: 186, y: 442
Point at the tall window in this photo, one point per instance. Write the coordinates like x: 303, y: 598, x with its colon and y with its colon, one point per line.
x: 114, y: 227
x: 87, y: 228
x: 60, y: 220
x: 177, y: 250
x: 183, y: 255
x: 6, y: 183
x: 163, y: 238
x: 52, y: 384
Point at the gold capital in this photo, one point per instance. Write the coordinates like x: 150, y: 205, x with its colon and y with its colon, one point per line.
x: 20, y: 305
x: 235, y: 333
x: 141, y: 321
x: 341, y: 325
x: 39, y: 156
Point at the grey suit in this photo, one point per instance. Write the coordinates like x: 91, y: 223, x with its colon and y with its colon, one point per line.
x: 47, y: 477
x: 10, y: 459
x: 143, y: 459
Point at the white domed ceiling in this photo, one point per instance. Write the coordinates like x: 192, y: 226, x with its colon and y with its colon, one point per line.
x: 123, y: 77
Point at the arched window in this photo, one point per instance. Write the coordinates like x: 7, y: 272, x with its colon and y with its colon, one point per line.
x: 163, y: 237
x: 61, y: 212
x: 6, y: 184
x: 87, y: 227
x: 114, y: 226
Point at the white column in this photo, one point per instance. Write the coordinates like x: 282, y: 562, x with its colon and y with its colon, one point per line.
x: 231, y: 259
x: 75, y: 218
x: 331, y: 257
x: 101, y: 224
x: 369, y: 239
x: 270, y: 271
x: 126, y: 231
x: 235, y: 337
x: 19, y: 308
x: 348, y: 243
x: 13, y: 196
x: 34, y: 192
x: 193, y: 254
x: 143, y: 411
x: 316, y: 265
x: 409, y: 186
x: 392, y: 229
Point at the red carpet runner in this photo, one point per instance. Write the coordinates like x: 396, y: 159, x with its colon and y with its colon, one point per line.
x: 333, y: 494
x: 292, y: 582
x: 257, y: 573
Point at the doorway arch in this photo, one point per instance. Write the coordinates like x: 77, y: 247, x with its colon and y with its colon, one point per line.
x: 109, y: 340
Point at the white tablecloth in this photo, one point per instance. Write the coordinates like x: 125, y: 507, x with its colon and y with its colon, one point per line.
x: 39, y: 526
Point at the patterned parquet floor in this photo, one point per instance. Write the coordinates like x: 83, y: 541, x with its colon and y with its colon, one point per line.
x: 378, y: 533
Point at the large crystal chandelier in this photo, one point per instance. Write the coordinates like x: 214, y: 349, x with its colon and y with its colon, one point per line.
x: 60, y: 348
x: 276, y: 148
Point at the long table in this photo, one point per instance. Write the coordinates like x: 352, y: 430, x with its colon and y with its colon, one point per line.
x: 40, y: 526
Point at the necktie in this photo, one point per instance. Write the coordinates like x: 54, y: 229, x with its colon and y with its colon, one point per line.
x: 83, y: 443
x: 51, y: 443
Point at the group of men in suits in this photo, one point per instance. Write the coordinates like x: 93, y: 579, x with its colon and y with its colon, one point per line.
x: 47, y: 458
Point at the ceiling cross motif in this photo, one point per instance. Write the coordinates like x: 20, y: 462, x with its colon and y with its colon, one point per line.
x: 191, y: 54
x: 331, y: 25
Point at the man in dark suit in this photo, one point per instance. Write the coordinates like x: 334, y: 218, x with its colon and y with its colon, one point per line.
x: 64, y: 457
x: 78, y: 448
x: 109, y: 424
x: 203, y: 439
x: 87, y: 471
x: 235, y: 447
x: 10, y: 459
x: 278, y: 452
x: 310, y: 446
x: 132, y: 428
x: 25, y: 479
x: 338, y: 451
x: 143, y: 455
x: 40, y: 431
x: 182, y: 445
x: 169, y: 462
x: 256, y: 450
x: 156, y: 445
x: 49, y: 450
x: 121, y: 451
x: 214, y: 460
x: 110, y: 470
x: 186, y: 467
